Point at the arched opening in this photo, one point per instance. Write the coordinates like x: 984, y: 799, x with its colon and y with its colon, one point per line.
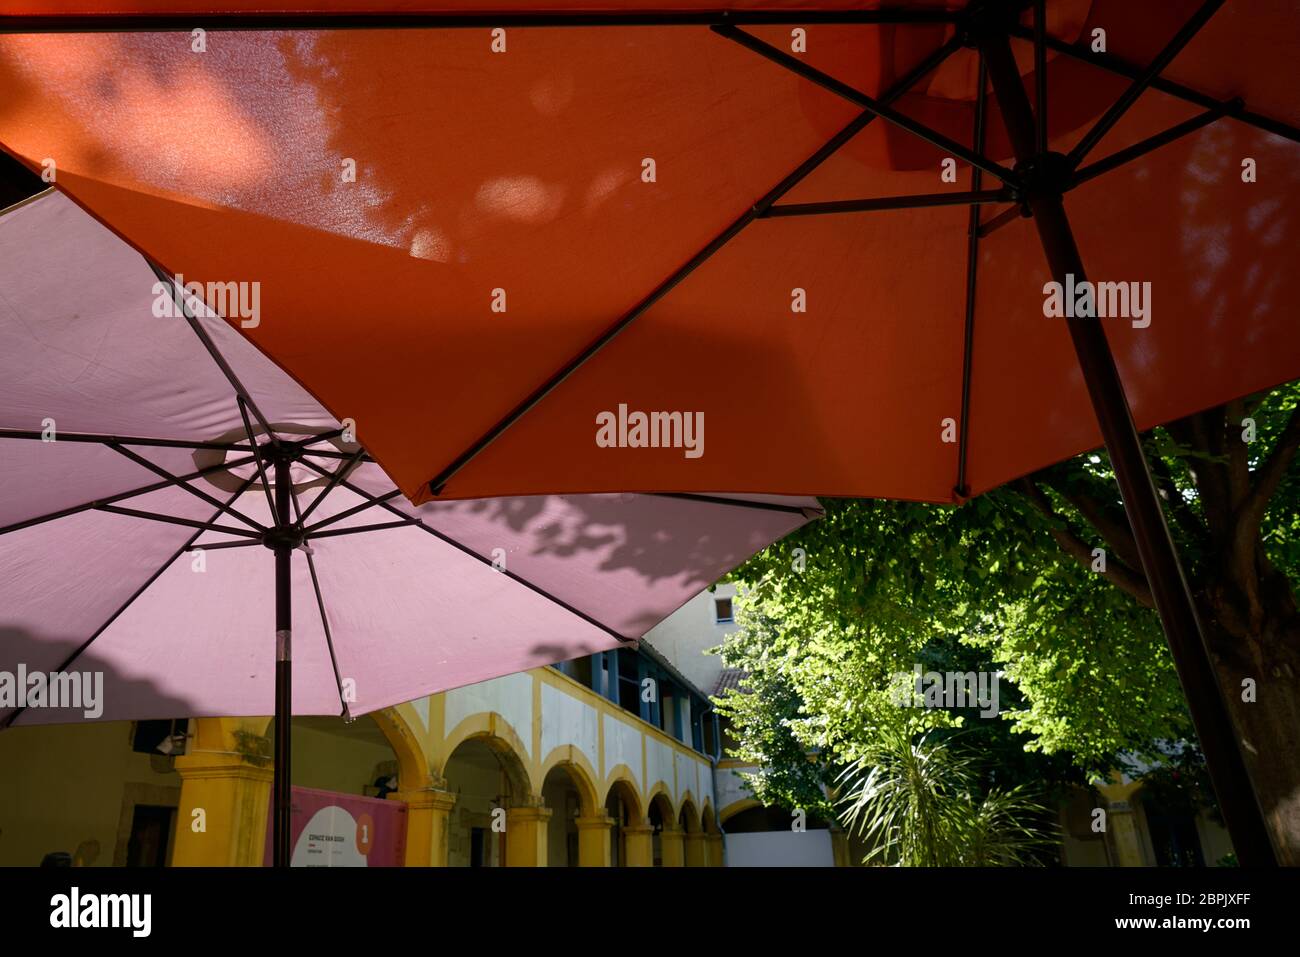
x: 661, y: 818
x: 689, y: 819
x: 562, y: 793
x: 331, y: 754
x: 342, y: 774
x: 487, y: 777
x: 712, y: 837
x: 623, y: 805
x: 688, y: 823
x: 760, y: 819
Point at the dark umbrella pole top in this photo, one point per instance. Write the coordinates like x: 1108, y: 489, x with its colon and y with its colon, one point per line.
x: 1047, y: 176
x: 283, y: 667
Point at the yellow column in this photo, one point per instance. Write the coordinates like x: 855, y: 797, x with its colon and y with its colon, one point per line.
x: 714, y: 845
x: 428, y: 813
x: 594, y: 848
x: 638, y: 842
x: 1125, y: 835
x: 695, y: 849
x: 225, y: 796
x: 1123, y: 827
x: 526, y: 836
x: 670, y: 842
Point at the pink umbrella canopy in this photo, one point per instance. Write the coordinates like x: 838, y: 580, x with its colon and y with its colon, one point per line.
x: 136, y: 526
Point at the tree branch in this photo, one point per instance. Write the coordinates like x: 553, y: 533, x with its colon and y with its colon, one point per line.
x: 1238, y: 456
x: 1269, y: 474
x: 1211, y: 484
x: 1109, y: 521
x: 1117, y: 573
x: 1182, y: 513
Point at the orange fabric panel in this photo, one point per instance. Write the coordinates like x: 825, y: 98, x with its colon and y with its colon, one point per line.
x: 523, y: 172
x: 55, y: 7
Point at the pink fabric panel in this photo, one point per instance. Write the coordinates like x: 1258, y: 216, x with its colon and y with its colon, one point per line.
x: 626, y: 560
x: 79, y: 341
x: 40, y: 478
x: 410, y: 614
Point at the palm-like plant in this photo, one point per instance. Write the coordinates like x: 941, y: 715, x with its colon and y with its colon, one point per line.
x: 914, y: 803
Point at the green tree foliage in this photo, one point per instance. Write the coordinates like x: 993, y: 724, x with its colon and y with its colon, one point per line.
x: 1039, y: 579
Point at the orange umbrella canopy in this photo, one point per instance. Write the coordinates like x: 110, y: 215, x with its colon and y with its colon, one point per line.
x: 544, y: 235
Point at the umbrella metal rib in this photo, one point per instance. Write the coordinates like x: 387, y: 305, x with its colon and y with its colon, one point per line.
x: 122, y: 496
x: 338, y: 476
x: 796, y: 176
x: 178, y: 296
x: 210, y: 526
x: 876, y: 107
x: 320, y: 606
x: 1114, y: 64
x: 1130, y: 96
x: 1040, y: 76
x: 178, y: 22
x: 123, y: 440
x: 465, y: 549
x: 962, y: 489
x: 992, y: 225
x: 257, y: 454
x: 183, y: 484
x: 189, y: 543
x: 1141, y: 148
x: 349, y: 512
x: 734, y: 502
x: 355, y: 529
x: 975, y: 197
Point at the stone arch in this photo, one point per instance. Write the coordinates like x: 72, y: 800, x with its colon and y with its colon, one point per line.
x: 486, y: 774
x: 688, y: 817
x: 659, y: 792
x: 579, y: 769
x: 498, y: 734
x: 621, y: 795
x: 621, y: 776
x: 666, y: 840
x: 714, y: 853
x: 736, y: 807
x: 413, y: 770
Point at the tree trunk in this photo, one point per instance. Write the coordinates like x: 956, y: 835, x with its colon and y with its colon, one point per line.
x: 1259, y: 640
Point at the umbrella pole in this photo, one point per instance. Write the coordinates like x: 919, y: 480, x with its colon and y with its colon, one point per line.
x: 1045, y: 175
x: 283, y: 669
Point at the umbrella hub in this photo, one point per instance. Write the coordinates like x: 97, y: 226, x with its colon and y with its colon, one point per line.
x: 1044, y: 174
x: 284, y: 536
x: 298, y: 444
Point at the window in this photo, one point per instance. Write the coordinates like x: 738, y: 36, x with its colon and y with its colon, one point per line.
x: 722, y: 611
x: 148, y: 735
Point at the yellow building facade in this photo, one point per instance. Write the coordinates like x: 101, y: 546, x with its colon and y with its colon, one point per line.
x: 526, y: 770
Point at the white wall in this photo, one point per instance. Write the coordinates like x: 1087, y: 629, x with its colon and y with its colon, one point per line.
x: 731, y: 787
x: 570, y: 717
x: 684, y: 636
x: 780, y: 849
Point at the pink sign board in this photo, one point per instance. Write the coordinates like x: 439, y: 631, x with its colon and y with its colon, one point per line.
x: 329, y: 829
